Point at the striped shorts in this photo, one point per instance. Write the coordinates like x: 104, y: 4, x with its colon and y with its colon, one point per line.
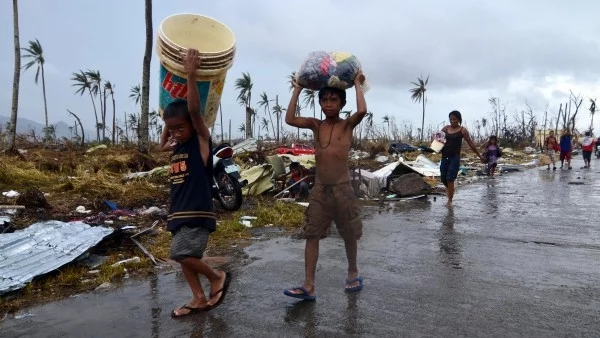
x: 189, y: 242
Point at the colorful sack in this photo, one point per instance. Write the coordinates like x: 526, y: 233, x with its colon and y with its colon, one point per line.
x: 322, y: 69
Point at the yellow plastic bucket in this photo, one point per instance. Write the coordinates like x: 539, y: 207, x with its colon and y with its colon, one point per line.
x: 216, y: 45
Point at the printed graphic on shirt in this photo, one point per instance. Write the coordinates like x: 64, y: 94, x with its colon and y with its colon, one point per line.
x: 178, y: 171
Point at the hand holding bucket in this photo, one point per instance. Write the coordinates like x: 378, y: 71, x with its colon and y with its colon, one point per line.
x: 213, y: 45
x: 439, y: 140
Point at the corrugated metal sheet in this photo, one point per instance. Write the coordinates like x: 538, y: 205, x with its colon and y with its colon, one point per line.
x: 42, y: 248
x: 248, y: 144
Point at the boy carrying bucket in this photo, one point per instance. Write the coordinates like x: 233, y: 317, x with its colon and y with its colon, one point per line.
x: 332, y: 197
x: 191, y: 217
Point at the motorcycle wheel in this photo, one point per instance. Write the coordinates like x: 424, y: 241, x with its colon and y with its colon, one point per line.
x: 229, y: 192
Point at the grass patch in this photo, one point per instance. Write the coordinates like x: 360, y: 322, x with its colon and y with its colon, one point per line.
x: 15, y: 174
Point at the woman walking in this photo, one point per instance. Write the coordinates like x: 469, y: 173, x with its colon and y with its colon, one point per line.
x: 450, y: 164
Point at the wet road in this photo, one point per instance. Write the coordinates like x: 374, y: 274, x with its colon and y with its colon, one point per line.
x: 516, y: 256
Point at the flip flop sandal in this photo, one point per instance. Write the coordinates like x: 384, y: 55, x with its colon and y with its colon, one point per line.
x: 354, y: 288
x: 304, y: 295
x: 192, y: 310
x: 223, y: 292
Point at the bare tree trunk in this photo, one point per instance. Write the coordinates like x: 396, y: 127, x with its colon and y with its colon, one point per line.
x: 96, y: 115
x: 278, y: 117
x: 270, y: 119
x: 221, y: 114
x: 102, y: 110
x: 16, y: 79
x: 229, y: 131
x: 81, y: 125
x: 143, y: 140
x: 577, y: 105
x: 543, y: 138
x: 423, y: 119
x: 248, y: 122
x: 44, y: 93
x: 114, y: 121
x: 558, y: 119
x: 126, y: 126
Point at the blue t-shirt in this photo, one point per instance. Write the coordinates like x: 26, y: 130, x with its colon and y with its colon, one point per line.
x: 565, y: 143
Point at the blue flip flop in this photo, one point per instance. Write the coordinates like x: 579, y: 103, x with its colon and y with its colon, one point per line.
x: 304, y: 295
x: 355, y: 288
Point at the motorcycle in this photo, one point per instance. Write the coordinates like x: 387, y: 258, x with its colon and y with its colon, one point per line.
x: 227, y: 181
x: 598, y: 149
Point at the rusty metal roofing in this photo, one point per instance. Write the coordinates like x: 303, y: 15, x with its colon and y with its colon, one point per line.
x: 42, y: 248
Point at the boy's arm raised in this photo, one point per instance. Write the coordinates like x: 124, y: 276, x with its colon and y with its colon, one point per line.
x: 164, y: 140
x: 361, y: 104
x: 191, y: 65
x: 290, y: 114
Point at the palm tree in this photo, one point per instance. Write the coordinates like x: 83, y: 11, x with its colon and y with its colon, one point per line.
x: 153, y: 119
x: 419, y: 95
x: 309, y: 101
x: 134, y: 124
x: 50, y: 131
x: 265, y: 125
x: 386, y: 119
x: 83, y: 83
x: 291, y: 78
x: 108, y: 86
x: 369, y: 123
x: 278, y: 111
x: 242, y: 129
x: 264, y: 102
x: 244, y: 85
x: 592, y: 112
x: 16, y: 80
x: 96, y: 88
x: 135, y: 94
x: 36, y: 54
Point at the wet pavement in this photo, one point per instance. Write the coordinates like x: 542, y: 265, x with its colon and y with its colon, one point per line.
x: 515, y: 256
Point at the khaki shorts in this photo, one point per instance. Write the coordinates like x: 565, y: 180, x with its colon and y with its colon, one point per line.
x: 336, y: 203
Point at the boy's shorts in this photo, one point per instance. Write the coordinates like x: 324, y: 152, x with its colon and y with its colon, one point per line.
x: 336, y: 203
x: 565, y: 155
x: 189, y: 242
x: 449, y: 168
x: 587, y: 155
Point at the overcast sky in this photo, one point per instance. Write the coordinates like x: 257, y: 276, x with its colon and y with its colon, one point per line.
x: 472, y: 49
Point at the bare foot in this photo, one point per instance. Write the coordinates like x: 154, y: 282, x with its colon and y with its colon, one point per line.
x: 449, y: 203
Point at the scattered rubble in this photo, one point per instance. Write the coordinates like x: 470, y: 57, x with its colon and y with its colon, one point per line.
x: 32, y: 198
x: 10, y: 194
x: 135, y: 259
x: 410, y: 185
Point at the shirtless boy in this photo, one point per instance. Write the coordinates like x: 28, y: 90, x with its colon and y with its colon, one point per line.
x: 332, y: 197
